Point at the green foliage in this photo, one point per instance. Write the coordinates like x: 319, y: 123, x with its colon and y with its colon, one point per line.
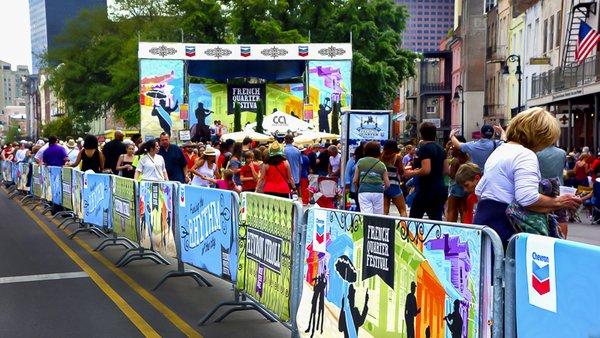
x: 65, y: 126
x: 237, y: 117
x: 335, y: 118
x: 13, y: 134
x: 260, y: 114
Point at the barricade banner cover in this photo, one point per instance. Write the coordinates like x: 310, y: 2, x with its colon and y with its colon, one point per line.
x: 46, y: 187
x: 557, y: 290
x: 77, y: 193
x: 123, y: 207
x: 208, y: 230
x: 67, y: 181
x: 22, y: 176
x: 369, y: 276
x: 55, y: 176
x: 14, y: 172
x: 266, y: 252
x: 6, y: 171
x: 36, y: 180
x: 96, y: 199
x: 157, y: 229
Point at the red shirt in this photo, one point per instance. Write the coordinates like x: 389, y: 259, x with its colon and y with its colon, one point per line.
x: 277, y: 179
x: 190, y: 159
x: 245, y: 171
x: 471, y: 202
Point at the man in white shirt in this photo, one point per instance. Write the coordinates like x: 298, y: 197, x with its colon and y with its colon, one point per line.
x: 39, y: 156
x: 22, y: 152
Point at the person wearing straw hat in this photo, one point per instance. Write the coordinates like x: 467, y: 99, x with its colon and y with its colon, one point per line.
x: 205, y: 168
x: 72, y: 151
x: 275, y: 174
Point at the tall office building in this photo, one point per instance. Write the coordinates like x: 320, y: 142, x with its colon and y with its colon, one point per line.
x: 428, y: 23
x: 48, y: 18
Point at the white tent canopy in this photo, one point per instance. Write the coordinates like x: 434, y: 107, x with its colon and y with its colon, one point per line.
x: 311, y: 136
x: 241, y: 135
x: 281, y: 123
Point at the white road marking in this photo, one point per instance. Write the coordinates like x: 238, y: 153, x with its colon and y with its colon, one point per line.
x: 44, y: 277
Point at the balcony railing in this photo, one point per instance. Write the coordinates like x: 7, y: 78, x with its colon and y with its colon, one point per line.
x: 575, y: 75
x: 435, y: 88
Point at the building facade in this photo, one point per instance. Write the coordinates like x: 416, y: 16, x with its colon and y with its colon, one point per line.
x: 428, y: 23
x: 48, y: 19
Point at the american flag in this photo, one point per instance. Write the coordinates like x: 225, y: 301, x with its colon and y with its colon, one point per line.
x: 586, y: 41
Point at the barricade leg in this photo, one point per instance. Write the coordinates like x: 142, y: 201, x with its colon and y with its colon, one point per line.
x: 115, y: 241
x: 68, y: 221
x: 182, y: 272
x: 26, y: 199
x: 139, y: 254
x: 238, y: 305
x: 90, y: 229
x: 64, y: 213
x: 13, y: 194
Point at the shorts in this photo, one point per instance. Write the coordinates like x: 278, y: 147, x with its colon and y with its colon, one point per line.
x: 457, y: 191
x: 393, y: 191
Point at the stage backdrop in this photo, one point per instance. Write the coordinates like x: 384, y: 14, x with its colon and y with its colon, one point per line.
x: 329, y: 81
x: 157, y: 229
x: 266, y: 260
x: 161, y: 93
x: 364, y: 276
x: 208, y: 230
x: 124, y: 220
x: 97, y: 200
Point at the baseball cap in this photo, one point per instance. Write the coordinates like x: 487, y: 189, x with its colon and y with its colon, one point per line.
x: 487, y: 131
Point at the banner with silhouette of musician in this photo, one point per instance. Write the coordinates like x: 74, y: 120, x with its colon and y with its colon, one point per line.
x: 370, y: 276
x: 156, y: 218
x: 161, y: 93
x: 329, y: 83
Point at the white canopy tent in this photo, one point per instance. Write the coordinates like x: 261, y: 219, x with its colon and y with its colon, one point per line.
x: 281, y: 123
x: 241, y: 135
x: 314, y: 136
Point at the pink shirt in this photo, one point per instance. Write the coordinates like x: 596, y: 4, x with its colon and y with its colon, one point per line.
x: 222, y: 184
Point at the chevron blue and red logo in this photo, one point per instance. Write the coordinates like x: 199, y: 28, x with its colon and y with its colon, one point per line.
x: 303, y: 51
x: 190, y: 51
x: 245, y: 51
x: 540, y: 278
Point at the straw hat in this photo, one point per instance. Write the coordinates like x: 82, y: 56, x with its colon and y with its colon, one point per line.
x: 210, y: 151
x: 71, y: 143
x: 275, y: 149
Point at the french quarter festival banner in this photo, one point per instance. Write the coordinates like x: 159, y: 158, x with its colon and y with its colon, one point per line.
x: 157, y: 227
x: 124, y: 219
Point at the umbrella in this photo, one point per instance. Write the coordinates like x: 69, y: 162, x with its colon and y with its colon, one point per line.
x: 157, y: 94
x: 241, y: 135
x: 279, y: 122
x: 344, y: 266
x: 311, y: 136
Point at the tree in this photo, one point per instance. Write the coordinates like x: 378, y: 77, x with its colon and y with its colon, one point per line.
x: 64, y: 127
x: 260, y: 113
x: 335, y: 118
x: 13, y: 133
x: 237, y: 117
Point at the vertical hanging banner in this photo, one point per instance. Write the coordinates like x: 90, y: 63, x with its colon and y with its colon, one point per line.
x: 157, y: 228
x: 55, y: 176
x: 370, y: 276
x: 36, y: 180
x: 124, y: 220
x: 97, y: 200
x: 266, y: 260
x: 208, y: 230
x: 557, y: 289
x: 161, y: 93
x: 67, y: 181
x: 77, y: 193
x: 22, y: 176
x: 366, y: 126
x: 329, y: 82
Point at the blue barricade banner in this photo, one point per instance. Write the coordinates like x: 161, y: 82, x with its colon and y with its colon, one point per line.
x: 157, y: 226
x: 373, y: 276
x: 77, y: 193
x: 14, y: 172
x: 7, y: 171
x: 46, y: 187
x: 67, y: 181
x: 96, y: 199
x: 36, y: 180
x: 557, y: 288
x: 22, y: 174
x: 208, y: 230
x: 55, y: 175
x: 124, y: 220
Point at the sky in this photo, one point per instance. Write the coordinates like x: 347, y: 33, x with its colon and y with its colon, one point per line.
x: 15, y: 41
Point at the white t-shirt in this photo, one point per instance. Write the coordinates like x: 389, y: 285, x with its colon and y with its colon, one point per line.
x: 72, y: 154
x: 39, y: 156
x: 511, y: 174
x: 335, y: 162
x: 20, y: 155
x: 152, y: 169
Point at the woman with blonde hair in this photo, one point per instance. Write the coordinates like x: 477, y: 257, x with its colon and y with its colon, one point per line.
x: 512, y: 174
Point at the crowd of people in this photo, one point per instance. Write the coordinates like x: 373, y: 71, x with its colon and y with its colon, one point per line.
x: 509, y: 180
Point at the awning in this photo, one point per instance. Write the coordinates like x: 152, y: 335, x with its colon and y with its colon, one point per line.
x: 222, y: 70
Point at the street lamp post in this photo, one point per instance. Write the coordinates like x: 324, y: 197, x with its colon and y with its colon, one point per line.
x: 515, y: 58
x: 461, y: 96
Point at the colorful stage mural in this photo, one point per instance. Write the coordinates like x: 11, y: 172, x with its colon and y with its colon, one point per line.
x: 161, y: 93
x: 329, y: 82
x: 366, y: 276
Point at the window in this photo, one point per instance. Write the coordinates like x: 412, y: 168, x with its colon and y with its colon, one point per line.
x: 558, y: 27
x: 551, y: 33
x: 545, y: 48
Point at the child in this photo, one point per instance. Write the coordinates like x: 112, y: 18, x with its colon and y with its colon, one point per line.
x: 468, y: 175
x: 226, y: 183
x: 249, y: 172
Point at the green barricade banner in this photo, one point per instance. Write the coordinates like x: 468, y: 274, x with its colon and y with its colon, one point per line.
x: 67, y: 182
x: 373, y: 276
x: 124, y: 219
x: 36, y: 180
x: 77, y: 192
x: 265, y: 237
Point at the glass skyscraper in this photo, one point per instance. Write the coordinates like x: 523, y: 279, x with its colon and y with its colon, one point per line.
x: 48, y: 18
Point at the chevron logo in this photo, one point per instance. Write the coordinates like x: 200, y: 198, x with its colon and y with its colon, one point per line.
x: 540, y: 279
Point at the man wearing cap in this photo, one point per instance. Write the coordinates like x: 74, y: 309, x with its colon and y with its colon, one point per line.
x: 112, y: 150
x: 480, y: 150
x: 72, y: 151
x: 292, y: 154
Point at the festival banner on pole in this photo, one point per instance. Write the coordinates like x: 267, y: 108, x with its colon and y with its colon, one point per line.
x: 370, y: 276
x: 96, y: 200
x: 557, y: 289
x: 161, y: 93
x: 157, y: 227
x: 208, y: 230
x: 366, y: 126
x: 22, y: 175
x: 46, y: 184
x: 36, y: 180
x: 124, y: 220
x: 265, y: 269
x: 77, y: 193
x: 55, y: 176
x: 67, y: 181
